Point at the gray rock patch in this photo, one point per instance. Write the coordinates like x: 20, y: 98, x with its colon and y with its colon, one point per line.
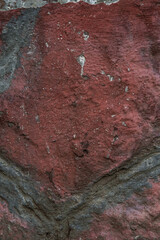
x: 15, y: 36
x: 13, y: 4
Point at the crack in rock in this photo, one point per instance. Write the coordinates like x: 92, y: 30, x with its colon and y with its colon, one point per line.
x: 24, y: 198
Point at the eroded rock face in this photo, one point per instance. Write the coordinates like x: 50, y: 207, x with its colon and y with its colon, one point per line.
x: 13, y: 4
x: 79, y: 120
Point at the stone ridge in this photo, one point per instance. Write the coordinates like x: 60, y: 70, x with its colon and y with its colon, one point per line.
x: 65, y: 219
x: 12, y: 4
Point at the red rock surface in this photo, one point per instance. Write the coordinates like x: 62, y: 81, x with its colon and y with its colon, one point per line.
x: 12, y: 227
x: 137, y: 218
x: 70, y: 124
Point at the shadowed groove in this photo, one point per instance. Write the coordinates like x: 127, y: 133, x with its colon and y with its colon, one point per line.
x: 24, y: 198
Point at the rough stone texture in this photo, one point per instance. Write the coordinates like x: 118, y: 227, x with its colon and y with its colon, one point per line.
x: 16, y: 34
x: 13, y: 4
x: 80, y: 121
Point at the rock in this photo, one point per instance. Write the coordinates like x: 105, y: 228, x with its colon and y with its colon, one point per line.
x: 79, y: 120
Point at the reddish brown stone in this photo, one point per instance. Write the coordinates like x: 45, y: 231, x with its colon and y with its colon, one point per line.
x: 137, y: 218
x: 84, y: 101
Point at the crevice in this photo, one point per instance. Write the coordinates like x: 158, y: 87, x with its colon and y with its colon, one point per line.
x: 25, y: 200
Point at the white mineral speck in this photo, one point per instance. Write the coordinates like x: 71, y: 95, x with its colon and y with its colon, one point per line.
x: 86, y: 35
x: 126, y: 89
x: 81, y: 60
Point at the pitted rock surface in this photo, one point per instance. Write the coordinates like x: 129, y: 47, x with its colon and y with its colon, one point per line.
x: 79, y: 120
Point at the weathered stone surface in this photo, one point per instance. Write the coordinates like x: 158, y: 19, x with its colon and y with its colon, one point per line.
x: 13, y: 4
x: 79, y: 120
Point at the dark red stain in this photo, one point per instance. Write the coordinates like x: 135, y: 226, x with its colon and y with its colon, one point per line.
x: 73, y: 129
